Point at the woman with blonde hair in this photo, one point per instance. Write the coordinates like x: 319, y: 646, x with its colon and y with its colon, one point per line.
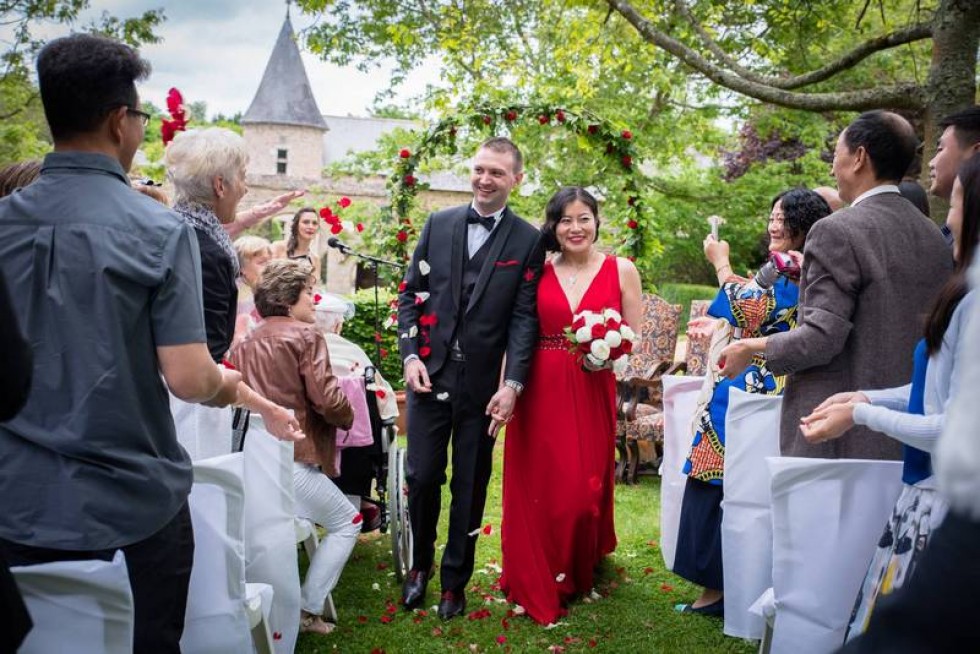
x: 254, y: 252
x: 207, y: 168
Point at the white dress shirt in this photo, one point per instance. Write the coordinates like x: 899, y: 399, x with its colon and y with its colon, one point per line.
x: 477, y: 234
x: 877, y: 190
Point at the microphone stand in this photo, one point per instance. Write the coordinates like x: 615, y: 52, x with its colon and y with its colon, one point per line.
x: 375, y: 262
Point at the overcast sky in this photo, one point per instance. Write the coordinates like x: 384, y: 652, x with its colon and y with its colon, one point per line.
x: 216, y: 51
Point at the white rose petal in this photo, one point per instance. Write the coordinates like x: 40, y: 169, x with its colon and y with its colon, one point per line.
x: 518, y: 609
x: 404, y: 335
x: 424, y: 267
x: 627, y: 332
x: 442, y: 397
x: 612, y: 313
x: 375, y: 586
x: 413, y: 331
x: 613, y: 338
x: 599, y: 349
x: 595, y: 363
x: 560, y: 578
x: 583, y: 334
x: 619, y: 365
x: 389, y: 323
x: 422, y: 295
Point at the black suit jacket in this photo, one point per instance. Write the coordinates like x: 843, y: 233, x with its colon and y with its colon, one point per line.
x: 502, y: 312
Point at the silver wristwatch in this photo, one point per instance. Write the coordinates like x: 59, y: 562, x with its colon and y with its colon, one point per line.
x: 516, y: 385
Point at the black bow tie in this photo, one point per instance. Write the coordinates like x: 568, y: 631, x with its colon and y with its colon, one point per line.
x: 473, y: 218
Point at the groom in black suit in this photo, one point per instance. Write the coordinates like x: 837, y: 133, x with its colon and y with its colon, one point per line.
x: 468, y: 299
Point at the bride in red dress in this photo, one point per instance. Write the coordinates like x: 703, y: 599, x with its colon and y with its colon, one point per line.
x: 559, y: 448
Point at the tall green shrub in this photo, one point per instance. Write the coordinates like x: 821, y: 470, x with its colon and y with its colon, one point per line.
x: 361, y: 330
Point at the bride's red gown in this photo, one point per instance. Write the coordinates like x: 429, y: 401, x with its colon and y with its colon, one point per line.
x: 558, y: 461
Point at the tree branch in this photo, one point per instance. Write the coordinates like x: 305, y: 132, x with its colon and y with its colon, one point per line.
x: 848, y: 60
x: 896, y: 96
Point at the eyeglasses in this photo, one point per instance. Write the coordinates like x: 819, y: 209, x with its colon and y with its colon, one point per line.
x: 143, y: 116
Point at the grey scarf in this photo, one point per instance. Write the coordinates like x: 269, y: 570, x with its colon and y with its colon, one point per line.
x: 202, y: 217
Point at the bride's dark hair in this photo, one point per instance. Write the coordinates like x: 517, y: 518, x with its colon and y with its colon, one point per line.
x: 556, y: 206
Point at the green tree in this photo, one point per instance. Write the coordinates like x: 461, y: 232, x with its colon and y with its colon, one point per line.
x: 23, y: 131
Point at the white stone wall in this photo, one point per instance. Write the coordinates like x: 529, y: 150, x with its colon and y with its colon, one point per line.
x: 304, y: 146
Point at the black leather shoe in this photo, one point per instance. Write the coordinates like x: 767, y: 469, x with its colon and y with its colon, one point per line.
x: 452, y: 604
x: 413, y: 590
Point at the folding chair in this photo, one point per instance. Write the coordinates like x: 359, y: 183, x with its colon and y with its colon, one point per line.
x: 83, y: 607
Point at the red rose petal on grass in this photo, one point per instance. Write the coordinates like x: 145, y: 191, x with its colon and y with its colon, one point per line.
x: 571, y: 640
x: 391, y: 609
x: 417, y: 620
x: 362, y: 619
x: 652, y: 543
x: 647, y: 570
x: 479, y: 614
x: 437, y: 631
x: 593, y: 642
x: 359, y: 227
x: 382, y: 566
x: 377, y: 650
x: 487, y: 530
x: 404, y: 153
x: 667, y: 588
x: 385, y: 619
x: 423, y: 613
x: 501, y: 639
x: 505, y: 623
x: 344, y: 202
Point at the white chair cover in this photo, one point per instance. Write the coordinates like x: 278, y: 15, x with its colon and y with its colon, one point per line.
x: 270, y: 531
x: 827, y: 517
x: 216, y: 620
x: 83, y: 607
x: 751, y: 435
x: 203, y: 431
x: 680, y: 401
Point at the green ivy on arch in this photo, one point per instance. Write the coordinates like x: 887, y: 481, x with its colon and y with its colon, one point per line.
x: 607, y: 139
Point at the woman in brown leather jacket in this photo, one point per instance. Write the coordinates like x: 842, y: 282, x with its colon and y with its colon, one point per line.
x: 285, y: 359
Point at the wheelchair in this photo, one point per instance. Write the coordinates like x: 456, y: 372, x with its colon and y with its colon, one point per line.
x: 380, y: 467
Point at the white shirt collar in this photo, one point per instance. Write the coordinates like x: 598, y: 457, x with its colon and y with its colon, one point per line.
x: 877, y: 190
x: 496, y: 215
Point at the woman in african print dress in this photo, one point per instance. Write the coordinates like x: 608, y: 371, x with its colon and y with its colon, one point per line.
x: 742, y: 309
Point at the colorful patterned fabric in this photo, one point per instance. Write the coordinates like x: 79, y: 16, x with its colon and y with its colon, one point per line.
x: 751, y: 312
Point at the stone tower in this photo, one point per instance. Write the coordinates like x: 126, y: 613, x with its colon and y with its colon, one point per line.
x: 283, y: 127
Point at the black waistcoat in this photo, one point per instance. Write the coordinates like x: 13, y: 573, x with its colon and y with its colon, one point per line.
x: 471, y: 272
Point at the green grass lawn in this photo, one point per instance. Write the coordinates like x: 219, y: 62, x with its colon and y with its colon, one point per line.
x: 636, y: 613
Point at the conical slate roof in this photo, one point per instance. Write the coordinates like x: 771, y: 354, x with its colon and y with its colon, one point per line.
x: 284, y: 96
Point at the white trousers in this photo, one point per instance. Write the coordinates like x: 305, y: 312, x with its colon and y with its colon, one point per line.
x: 319, y: 500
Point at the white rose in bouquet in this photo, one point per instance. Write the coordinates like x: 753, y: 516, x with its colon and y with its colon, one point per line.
x: 596, y: 364
x: 619, y: 365
x: 627, y: 333
x: 613, y: 339
x: 593, y: 319
x: 612, y: 313
x: 583, y: 334
x: 599, y: 349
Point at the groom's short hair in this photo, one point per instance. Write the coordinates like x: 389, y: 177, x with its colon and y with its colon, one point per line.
x: 505, y: 145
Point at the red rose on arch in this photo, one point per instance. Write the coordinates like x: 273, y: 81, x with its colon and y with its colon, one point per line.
x: 487, y: 120
x: 404, y: 153
x: 344, y: 202
x: 336, y: 228
x: 402, y: 236
x: 360, y: 227
x: 627, y: 161
x: 544, y: 119
x: 632, y: 224
x: 627, y: 134
x: 510, y: 116
x: 410, y: 180
x: 593, y: 129
x: 560, y: 116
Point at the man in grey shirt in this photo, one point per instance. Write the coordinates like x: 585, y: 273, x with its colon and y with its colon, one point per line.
x: 106, y: 284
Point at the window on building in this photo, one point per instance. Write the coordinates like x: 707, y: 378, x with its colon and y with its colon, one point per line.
x: 281, y: 158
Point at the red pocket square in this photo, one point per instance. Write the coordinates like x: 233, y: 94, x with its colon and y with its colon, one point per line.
x: 504, y: 264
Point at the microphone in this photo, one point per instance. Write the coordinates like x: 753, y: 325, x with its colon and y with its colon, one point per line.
x: 336, y: 243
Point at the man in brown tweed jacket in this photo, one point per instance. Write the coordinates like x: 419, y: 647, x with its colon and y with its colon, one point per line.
x: 870, y: 273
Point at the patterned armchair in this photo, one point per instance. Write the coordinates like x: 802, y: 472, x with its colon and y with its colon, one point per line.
x: 639, y: 391
x: 643, y: 419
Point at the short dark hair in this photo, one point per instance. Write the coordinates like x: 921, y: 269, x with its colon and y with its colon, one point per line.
x: 965, y: 124
x: 801, y: 208
x: 888, y: 139
x: 556, y: 206
x: 505, y: 145
x: 280, y: 285
x: 912, y: 191
x: 83, y: 77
